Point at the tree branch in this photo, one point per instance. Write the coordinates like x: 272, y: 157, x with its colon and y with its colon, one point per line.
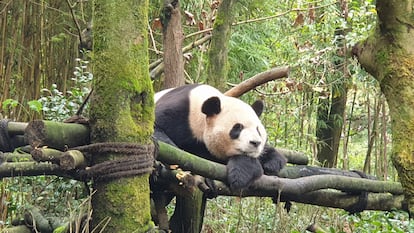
x: 257, y: 80
x: 271, y: 185
x: 31, y: 169
x: 325, y: 197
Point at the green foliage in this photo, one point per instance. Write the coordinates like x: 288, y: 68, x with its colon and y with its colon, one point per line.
x: 56, y: 195
x: 50, y: 194
x: 377, y: 221
x: 10, y: 105
x: 58, y: 106
x: 229, y: 214
x: 35, y: 105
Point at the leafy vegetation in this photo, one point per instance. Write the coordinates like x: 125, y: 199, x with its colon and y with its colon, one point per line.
x: 61, y: 196
x: 255, y: 214
x: 58, y: 106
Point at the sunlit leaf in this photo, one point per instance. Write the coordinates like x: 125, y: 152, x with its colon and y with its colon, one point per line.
x: 9, y: 103
x: 35, y: 105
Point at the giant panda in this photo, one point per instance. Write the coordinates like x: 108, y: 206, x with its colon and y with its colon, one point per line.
x: 201, y: 120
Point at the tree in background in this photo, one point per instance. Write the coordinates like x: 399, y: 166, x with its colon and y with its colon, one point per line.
x: 172, y: 44
x: 217, y: 65
x: 331, y: 107
x: 388, y: 54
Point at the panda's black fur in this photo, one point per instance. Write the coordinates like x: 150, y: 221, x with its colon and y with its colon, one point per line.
x: 203, y: 104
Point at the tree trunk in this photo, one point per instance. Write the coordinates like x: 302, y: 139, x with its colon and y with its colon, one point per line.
x: 333, y: 117
x: 389, y: 56
x: 121, y: 110
x: 173, y: 43
x: 189, y: 213
x: 217, y: 68
x: 330, y: 133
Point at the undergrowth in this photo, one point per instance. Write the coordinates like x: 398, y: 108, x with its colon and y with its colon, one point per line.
x: 258, y: 214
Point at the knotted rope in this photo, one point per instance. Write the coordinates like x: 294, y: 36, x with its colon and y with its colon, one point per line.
x: 138, y: 160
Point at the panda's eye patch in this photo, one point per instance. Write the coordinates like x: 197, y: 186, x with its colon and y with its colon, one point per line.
x: 236, y: 130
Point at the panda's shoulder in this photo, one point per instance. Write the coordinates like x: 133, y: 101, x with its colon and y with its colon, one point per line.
x: 171, y: 92
x: 189, y: 92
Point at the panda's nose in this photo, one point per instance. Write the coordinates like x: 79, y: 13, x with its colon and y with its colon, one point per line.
x: 255, y: 143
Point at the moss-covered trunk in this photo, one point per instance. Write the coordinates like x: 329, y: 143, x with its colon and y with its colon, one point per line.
x: 217, y: 69
x: 121, y: 109
x: 389, y: 55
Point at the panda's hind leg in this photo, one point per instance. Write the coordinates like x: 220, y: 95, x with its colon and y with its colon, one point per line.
x: 272, y: 161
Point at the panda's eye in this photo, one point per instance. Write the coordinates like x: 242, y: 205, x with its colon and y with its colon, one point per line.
x: 258, y: 131
x: 236, y: 130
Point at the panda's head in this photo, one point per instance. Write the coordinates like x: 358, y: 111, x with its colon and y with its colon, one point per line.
x: 233, y: 127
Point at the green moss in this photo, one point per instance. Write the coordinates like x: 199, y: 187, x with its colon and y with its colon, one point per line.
x: 121, y: 108
x: 398, y: 88
x: 382, y: 57
x: 219, y: 20
x: 115, y: 203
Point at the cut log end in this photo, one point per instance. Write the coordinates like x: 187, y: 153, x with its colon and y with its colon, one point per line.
x: 35, y: 133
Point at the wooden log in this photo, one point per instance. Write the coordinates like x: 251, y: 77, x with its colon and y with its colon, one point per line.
x: 56, y: 135
x: 18, y: 141
x: 326, y: 197
x: 31, y: 169
x: 16, y: 128
x: 293, y: 172
x: 15, y: 157
x: 46, y: 154
x: 294, y: 157
x: 72, y: 159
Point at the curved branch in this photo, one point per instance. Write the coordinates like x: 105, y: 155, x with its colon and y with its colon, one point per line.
x: 313, y: 183
x: 257, y: 80
x: 328, y: 198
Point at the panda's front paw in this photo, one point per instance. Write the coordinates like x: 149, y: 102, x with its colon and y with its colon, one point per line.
x: 242, y: 171
x: 272, y: 161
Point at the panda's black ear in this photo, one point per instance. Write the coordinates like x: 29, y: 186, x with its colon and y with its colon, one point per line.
x: 211, y: 106
x: 258, y: 107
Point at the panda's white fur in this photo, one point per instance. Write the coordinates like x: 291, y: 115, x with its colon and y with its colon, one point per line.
x: 214, y: 131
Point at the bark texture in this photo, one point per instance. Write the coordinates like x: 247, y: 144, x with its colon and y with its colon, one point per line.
x: 173, y: 43
x: 217, y: 69
x: 389, y: 56
x: 121, y: 109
